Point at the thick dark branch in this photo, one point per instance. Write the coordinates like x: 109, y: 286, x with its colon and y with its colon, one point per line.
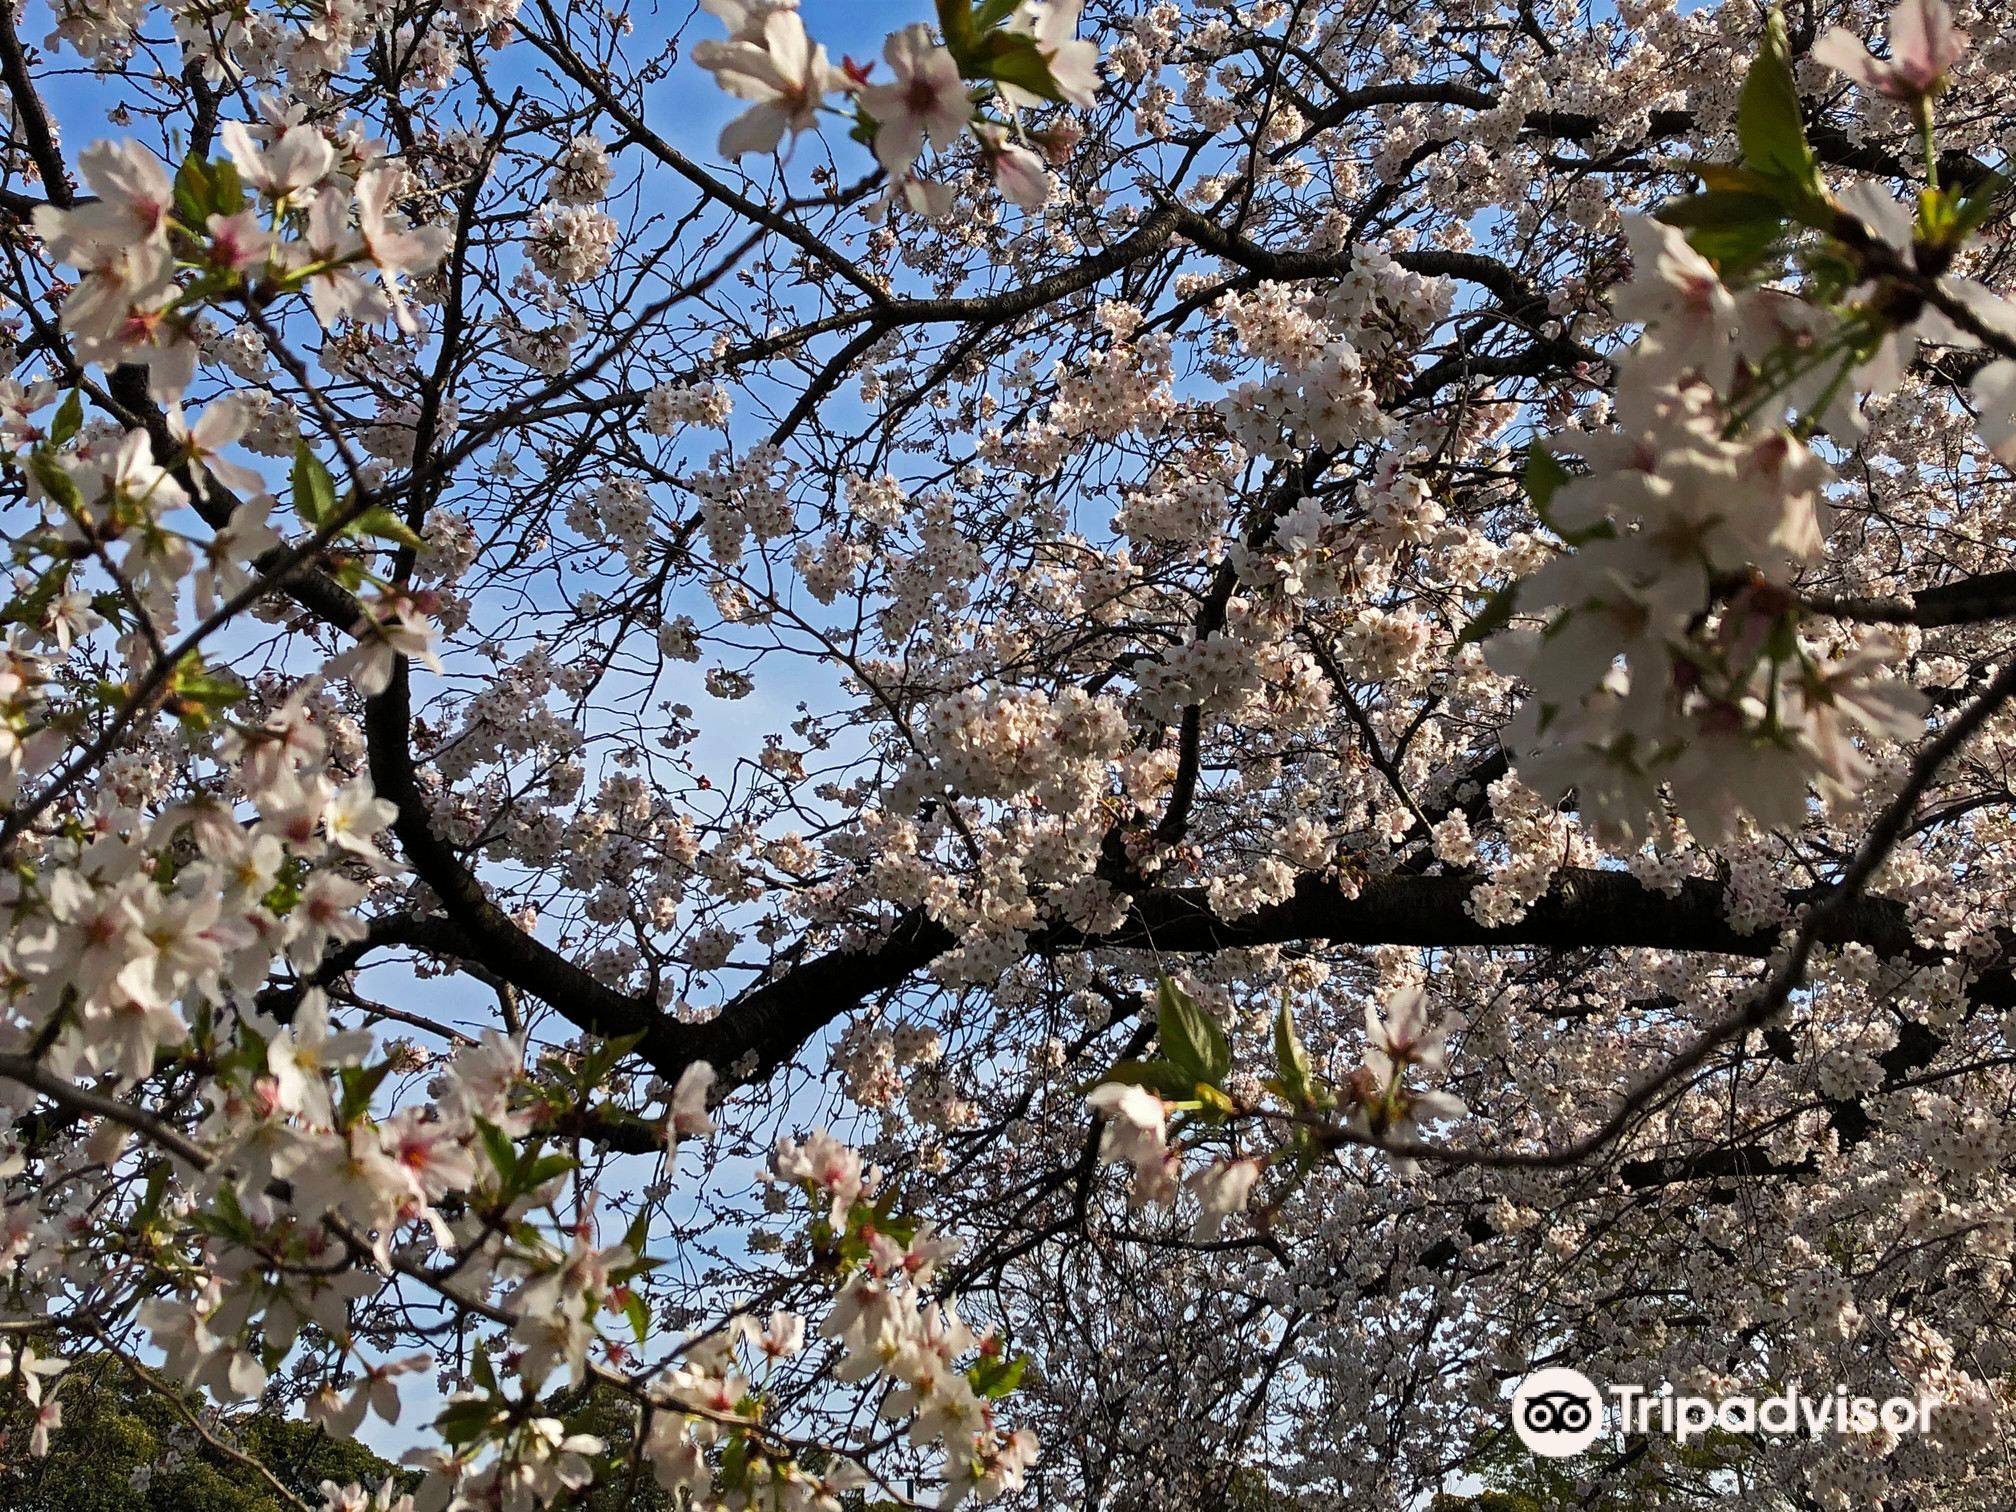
x: 1985, y: 596
x: 492, y: 938
x: 1587, y: 908
x: 29, y: 112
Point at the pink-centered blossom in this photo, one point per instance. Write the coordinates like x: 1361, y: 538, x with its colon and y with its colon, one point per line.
x: 925, y: 101
x: 1924, y: 46
x: 1690, y: 317
x: 298, y: 159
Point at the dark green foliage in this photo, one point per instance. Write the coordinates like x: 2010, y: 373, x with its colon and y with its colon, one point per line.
x: 114, y: 1427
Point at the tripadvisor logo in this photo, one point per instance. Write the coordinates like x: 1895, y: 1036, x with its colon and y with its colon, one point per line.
x: 1559, y: 1412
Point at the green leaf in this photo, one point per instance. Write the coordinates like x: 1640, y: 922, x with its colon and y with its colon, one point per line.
x: 157, y: 1189
x: 993, y: 13
x: 56, y: 483
x: 1493, y: 617
x: 1290, y: 1059
x: 638, y: 1234
x: 314, y: 489
x: 1010, y: 58
x: 497, y: 1144
x: 192, y: 191
x: 638, y: 1314
x: 359, y: 1086
x: 227, y: 190
x: 233, y: 1210
x: 252, y: 1047
x: 212, y: 689
x: 69, y: 418
x: 1768, y: 122
x: 28, y: 608
x: 735, y: 1461
x: 204, y: 189
x: 1190, y: 1037
x: 955, y: 20
x: 596, y: 1065
x: 1212, y: 1103
x: 201, y: 692
x: 544, y: 1169
x: 1979, y: 203
x: 464, y: 1422
x: 1161, y: 1076
x: 284, y: 894
x: 1732, y: 228
x: 383, y: 524
x: 995, y: 1378
x: 1543, y: 477
x: 1734, y: 177
x: 1831, y: 273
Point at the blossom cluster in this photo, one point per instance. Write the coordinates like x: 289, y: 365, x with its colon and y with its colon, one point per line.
x: 1675, y: 649
x: 154, y: 250
x: 1376, y: 1104
x: 1031, y: 54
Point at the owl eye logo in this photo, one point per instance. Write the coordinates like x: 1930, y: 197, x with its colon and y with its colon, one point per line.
x: 1557, y: 1412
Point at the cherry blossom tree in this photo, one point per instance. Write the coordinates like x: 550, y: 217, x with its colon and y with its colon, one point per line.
x: 1091, y: 754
